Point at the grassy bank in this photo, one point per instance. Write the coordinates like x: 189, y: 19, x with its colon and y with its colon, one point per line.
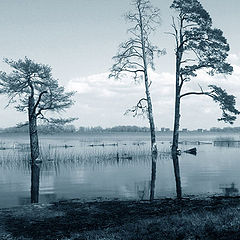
x: 213, y: 218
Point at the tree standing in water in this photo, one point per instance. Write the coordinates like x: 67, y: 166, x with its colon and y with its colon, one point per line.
x: 135, y: 56
x: 199, y: 46
x: 32, y: 88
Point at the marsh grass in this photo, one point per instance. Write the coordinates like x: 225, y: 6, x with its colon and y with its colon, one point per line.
x: 12, y: 159
x: 225, y: 138
x: 226, y: 142
x: 52, y: 156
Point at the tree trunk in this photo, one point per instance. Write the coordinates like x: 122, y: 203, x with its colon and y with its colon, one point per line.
x: 34, y: 146
x: 153, y: 137
x: 151, y: 120
x: 149, y: 101
x: 152, y: 126
x: 176, y: 132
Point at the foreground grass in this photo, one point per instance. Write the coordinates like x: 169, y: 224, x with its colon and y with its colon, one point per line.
x: 214, y: 218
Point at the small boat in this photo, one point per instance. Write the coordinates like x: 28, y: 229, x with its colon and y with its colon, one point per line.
x: 230, y: 191
x: 191, y: 151
x: 67, y: 146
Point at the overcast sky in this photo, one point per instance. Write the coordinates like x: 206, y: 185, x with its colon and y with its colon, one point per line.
x: 78, y: 38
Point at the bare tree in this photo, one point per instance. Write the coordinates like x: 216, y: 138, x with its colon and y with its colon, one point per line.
x: 135, y: 56
x: 31, y: 87
x: 198, y: 47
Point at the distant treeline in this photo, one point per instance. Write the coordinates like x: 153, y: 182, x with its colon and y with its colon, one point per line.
x: 49, y: 129
x: 225, y: 129
x: 114, y: 129
x: 214, y: 129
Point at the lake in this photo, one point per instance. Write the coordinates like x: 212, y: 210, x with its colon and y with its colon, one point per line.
x: 114, y: 165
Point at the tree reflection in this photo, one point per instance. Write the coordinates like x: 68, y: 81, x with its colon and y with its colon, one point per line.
x: 177, y: 174
x: 153, y: 180
x: 35, y: 176
x: 44, y: 198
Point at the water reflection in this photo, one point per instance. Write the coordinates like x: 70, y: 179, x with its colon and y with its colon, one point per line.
x: 142, y: 189
x: 44, y: 198
x: 153, y: 180
x: 177, y: 174
x: 122, y: 171
x: 226, y: 143
x: 66, y: 165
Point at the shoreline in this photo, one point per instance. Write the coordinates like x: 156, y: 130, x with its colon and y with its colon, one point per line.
x: 215, y: 217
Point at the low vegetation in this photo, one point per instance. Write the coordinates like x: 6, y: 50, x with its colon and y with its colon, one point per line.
x: 213, y: 218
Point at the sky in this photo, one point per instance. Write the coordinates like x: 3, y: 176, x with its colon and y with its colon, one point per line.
x: 78, y: 39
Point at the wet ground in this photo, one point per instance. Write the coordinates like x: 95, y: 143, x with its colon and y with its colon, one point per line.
x: 210, y: 218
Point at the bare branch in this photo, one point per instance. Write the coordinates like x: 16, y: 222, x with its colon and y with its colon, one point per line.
x: 176, y: 32
x: 208, y: 93
x: 197, y: 93
x: 139, y: 106
x: 170, y: 33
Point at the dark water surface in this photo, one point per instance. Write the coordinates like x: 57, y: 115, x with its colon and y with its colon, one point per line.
x: 73, y: 168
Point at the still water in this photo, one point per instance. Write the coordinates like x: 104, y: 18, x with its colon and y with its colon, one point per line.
x: 113, y: 166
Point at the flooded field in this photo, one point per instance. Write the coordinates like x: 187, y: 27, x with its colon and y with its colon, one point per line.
x: 115, y: 165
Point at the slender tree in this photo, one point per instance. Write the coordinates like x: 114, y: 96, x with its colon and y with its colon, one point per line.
x: 135, y: 56
x: 31, y: 87
x: 199, y: 46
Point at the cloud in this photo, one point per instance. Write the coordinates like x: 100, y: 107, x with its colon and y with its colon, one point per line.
x: 103, y: 101
x: 101, y: 85
x: 233, y: 57
x: 80, y: 87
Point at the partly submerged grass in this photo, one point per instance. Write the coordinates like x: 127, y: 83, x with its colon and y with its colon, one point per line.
x: 52, y: 156
x: 224, y: 138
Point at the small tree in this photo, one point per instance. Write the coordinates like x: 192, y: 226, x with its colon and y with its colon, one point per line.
x: 136, y: 55
x: 31, y: 87
x: 198, y: 47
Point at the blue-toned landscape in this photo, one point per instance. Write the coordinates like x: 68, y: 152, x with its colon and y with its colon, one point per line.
x: 115, y: 165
